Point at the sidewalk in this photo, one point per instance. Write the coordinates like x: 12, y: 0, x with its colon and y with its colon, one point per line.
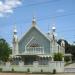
x: 35, y: 74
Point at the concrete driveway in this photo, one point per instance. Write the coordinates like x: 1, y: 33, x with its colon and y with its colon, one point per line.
x: 70, y: 66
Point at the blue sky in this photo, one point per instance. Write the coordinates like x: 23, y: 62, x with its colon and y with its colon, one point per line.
x: 47, y: 12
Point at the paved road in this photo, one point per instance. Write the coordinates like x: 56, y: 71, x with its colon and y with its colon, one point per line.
x: 35, y: 74
x: 71, y: 66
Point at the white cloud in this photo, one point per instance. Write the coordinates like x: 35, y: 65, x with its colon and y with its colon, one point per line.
x: 13, y: 3
x: 1, y: 15
x: 1, y: 2
x: 9, y: 11
x: 7, y: 6
x: 60, y: 10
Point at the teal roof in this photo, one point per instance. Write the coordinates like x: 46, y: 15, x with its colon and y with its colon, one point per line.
x: 37, y: 30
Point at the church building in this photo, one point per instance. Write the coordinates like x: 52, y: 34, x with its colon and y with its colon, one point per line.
x: 36, y: 46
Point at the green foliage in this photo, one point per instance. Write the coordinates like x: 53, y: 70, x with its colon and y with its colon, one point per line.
x: 41, y: 70
x: 72, y: 51
x: 28, y: 70
x: 67, y: 59
x: 69, y: 48
x: 12, y: 70
x: 5, y: 50
x: 0, y: 69
x: 54, y: 71
x: 58, y: 56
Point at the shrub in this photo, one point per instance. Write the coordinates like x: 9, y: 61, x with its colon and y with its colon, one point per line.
x: 28, y: 70
x: 67, y: 59
x: 12, y: 69
x: 41, y: 70
x: 58, y: 57
x: 54, y: 71
x: 0, y: 69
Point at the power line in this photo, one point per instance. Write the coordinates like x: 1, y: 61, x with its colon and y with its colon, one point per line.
x: 50, y: 17
x: 41, y: 3
x: 57, y: 16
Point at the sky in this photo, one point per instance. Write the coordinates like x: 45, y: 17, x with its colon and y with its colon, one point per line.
x: 47, y: 12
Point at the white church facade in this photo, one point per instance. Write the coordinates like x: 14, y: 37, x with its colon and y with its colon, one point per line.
x: 37, y: 49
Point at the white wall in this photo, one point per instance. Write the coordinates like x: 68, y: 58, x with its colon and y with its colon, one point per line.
x: 58, y: 65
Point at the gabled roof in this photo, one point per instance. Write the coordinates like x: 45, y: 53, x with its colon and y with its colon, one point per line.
x: 37, y: 30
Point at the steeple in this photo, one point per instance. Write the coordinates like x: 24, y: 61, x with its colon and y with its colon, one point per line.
x: 15, y: 41
x: 48, y: 29
x: 53, y: 28
x: 15, y: 38
x: 33, y: 21
x: 53, y: 33
x: 53, y: 25
x: 62, y: 42
x: 15, y: 30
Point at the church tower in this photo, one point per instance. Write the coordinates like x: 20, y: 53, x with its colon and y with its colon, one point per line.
x: 54, y: 45
x: 33, y: 21
x: 63, y: 43
x: 53, y: 33
x: 15, y: 42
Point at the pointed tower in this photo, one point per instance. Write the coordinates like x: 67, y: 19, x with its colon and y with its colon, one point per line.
x: 54, y: 45
x: 33, y: 21
x: 15, y: 42
x: 53, y: 28
x: 63, y: 43
x: 53, y: 32
x: 48, y: 34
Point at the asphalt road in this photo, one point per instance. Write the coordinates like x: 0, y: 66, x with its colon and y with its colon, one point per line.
x: 35, y: 74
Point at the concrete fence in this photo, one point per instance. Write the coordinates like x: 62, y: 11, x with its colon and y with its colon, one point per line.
x: 57, y: 65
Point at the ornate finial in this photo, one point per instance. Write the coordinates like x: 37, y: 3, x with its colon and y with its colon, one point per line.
x: 15, y: 30
x: 53, y: 28
x: 15, y: 41
x: 53, y: 24
x: 33, y: 21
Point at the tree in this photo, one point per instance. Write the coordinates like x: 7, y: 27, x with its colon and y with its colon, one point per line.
x: 67, y: 59
x: 5, y: 50
x: 72, y: 51
x: 68, y: 48
x: 58, y: 56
